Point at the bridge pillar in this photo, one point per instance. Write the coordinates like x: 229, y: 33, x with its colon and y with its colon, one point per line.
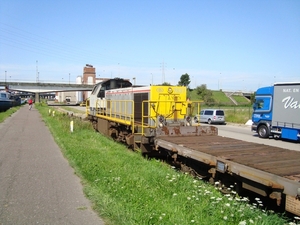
x: 37, y: 97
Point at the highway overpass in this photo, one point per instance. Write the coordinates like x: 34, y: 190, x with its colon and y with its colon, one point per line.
x: 45, y: 87
x: 39, y: 88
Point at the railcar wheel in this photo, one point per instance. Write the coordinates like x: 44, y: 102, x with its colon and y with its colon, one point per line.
x: 263, y: 131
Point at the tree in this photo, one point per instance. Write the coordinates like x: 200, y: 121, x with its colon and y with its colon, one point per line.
x: 184, y: 80
x: 205, y: 94
x: 166, y: 84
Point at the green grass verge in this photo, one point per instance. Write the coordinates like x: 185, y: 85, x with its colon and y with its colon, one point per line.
x: 8, y: 113
x: 126, y: 188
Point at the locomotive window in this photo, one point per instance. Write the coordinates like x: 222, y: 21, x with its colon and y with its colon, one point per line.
x: 101, y: 93
x: 94, y: 89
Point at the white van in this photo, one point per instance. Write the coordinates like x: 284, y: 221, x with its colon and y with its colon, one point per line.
x: 210, y: 116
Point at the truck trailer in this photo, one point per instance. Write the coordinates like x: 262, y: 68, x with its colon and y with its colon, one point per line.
x: 276, y: 111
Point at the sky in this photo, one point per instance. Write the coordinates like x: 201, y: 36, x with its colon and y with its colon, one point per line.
x: 226, y: 44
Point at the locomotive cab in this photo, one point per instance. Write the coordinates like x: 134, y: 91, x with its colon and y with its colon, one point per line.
x: 97, y: 98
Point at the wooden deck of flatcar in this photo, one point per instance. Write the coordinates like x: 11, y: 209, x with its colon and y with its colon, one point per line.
x: 274, y: 160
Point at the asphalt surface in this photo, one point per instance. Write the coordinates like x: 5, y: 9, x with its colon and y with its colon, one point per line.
x: 37, y: 185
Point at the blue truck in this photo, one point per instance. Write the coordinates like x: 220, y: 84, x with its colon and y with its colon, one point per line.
x: 276, y: 111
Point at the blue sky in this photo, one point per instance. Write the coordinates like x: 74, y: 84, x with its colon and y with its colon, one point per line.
x: 227, y: 44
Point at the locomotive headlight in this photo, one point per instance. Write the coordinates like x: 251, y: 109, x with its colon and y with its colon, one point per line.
x: 170, y: 90
x: 161, y: 121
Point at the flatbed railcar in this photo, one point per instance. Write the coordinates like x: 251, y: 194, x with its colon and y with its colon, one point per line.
x: 157, y: 121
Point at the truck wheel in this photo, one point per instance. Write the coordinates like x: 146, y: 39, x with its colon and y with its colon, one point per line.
x: 209, y: 121
x: 263, y: 131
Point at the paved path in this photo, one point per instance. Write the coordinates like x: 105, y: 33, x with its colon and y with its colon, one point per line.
x: 37, y: 185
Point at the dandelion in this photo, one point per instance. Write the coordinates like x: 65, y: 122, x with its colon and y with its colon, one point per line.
x: 192, y: 221
x: 174, y: 194
x: 225, y: 217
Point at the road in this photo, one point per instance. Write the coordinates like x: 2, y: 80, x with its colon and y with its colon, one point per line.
x: 37, y: 184
x: 243, y: 132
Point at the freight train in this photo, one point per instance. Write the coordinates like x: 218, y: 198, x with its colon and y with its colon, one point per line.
x: 157, y: 120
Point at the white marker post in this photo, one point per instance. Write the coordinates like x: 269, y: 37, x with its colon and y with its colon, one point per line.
x: 71, y: 126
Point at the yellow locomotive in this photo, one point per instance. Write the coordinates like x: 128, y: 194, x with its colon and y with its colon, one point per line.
x: 136, y: 115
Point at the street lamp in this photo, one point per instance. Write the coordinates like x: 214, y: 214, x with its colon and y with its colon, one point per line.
x: 5, y: 76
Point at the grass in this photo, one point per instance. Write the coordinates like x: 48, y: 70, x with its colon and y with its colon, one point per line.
x: 221, y: 98
x: 241, y: 100
x: 126, y: 188
x: 8, y: 113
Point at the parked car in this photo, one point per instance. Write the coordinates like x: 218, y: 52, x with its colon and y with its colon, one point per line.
x: 210, y: 116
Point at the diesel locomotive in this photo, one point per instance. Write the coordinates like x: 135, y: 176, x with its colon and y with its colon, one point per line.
x: 136, y: 115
